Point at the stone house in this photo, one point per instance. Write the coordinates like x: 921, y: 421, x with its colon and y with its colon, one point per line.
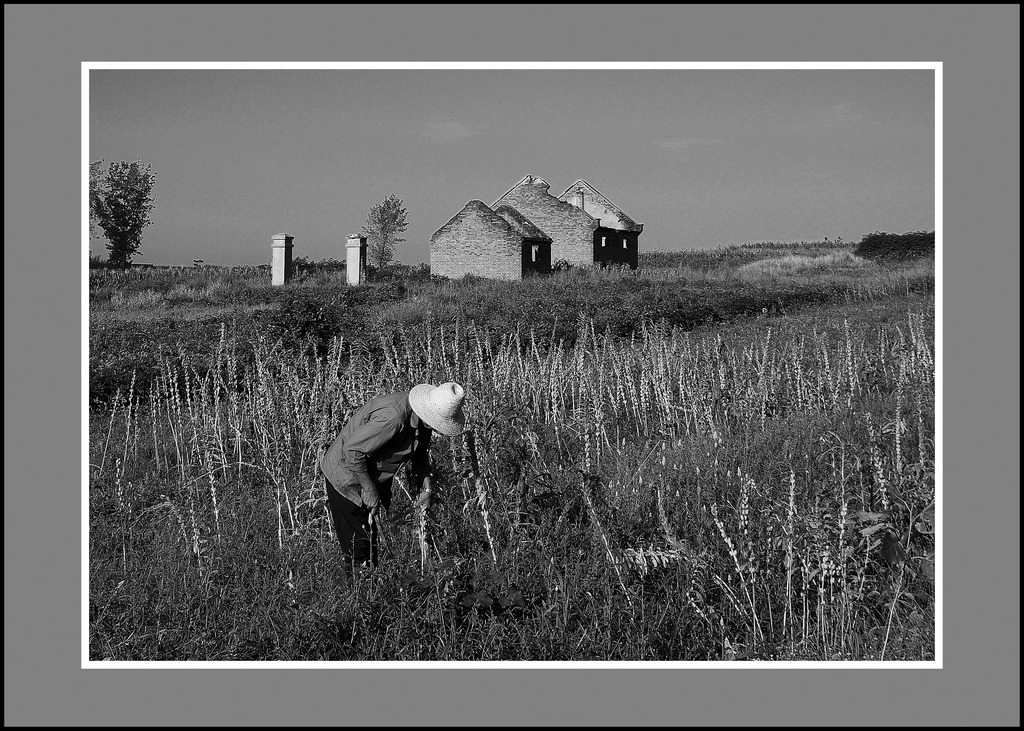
x: 527, y: 229
x: 494, y: 243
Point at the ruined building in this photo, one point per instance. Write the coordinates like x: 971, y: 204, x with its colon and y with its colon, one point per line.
x: 527, y: 230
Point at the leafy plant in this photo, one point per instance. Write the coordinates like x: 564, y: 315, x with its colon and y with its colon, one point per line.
x: 897, y: 247
x: 753, y: 488
x: 384, y: 223
x: 122, y: 204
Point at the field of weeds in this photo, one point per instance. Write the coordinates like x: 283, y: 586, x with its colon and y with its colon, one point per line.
x: 758, y: 485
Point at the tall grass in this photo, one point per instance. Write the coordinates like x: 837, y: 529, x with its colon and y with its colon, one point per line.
x: 114, y: 290
x: 134, y: 324
x: 799, y: 263
x: 668, y: 496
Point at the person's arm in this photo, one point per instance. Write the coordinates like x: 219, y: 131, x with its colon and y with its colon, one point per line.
x: 362, y: 445
x: 421, y: 476
x: 421, y: 455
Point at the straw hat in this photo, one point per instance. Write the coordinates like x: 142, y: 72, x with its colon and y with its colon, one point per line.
x: 440, y: 407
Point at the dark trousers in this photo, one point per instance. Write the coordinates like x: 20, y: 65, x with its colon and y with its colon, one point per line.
x: 351, y: 523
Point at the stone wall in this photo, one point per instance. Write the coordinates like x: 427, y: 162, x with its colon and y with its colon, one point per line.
x: 571, y: 230
x: 476, y: 241
x: 599, y: 207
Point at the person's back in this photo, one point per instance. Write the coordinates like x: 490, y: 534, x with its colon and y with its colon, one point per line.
x: 361, y: 463
x: 378, y: 439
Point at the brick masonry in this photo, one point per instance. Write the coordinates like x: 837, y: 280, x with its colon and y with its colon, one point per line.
x: 489, y: 241
x: 571, y: 230
x: 476, y: 241
x: 282, y: 269
x: 600, y: 207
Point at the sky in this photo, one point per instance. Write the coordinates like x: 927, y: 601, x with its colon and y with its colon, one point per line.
x: 703, y: 158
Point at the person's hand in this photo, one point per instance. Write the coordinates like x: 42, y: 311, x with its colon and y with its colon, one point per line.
x: 374, y: 518
x: 423, y: 499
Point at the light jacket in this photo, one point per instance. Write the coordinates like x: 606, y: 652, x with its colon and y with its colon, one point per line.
x: 376, y: 441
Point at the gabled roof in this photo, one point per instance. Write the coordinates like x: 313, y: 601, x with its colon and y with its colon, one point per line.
x: 503, y: 215
x: 522, y: 225
x: 539, y: 186
x: 476, y: 206
x: 528, y: 180
x: 595, y: 194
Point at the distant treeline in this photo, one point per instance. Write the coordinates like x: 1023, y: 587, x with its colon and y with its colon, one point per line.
x: 775, y: 245
x: 911, y: 245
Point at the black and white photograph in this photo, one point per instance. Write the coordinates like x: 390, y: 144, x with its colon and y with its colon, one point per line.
x: 543, y: 363
x: 532, y: 365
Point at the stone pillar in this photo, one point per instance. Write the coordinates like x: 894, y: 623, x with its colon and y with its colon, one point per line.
x: 282, y: 263
x: 355, y: 261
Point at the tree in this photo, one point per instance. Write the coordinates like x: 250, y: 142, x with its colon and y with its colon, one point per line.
x: 122, y: 206
x: 97, y: 185
x: 386, y: 220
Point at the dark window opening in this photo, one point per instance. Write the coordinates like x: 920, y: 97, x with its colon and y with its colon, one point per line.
x: 536, y: 258
x: 605, y: 255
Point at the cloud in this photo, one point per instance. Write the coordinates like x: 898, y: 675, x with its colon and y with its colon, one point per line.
x: 443, y: 132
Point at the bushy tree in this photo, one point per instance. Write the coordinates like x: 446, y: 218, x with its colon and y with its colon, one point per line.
x: 121, y: 204
x: 97, y: 183
x: 385, y: 221
x: 898, y: 247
